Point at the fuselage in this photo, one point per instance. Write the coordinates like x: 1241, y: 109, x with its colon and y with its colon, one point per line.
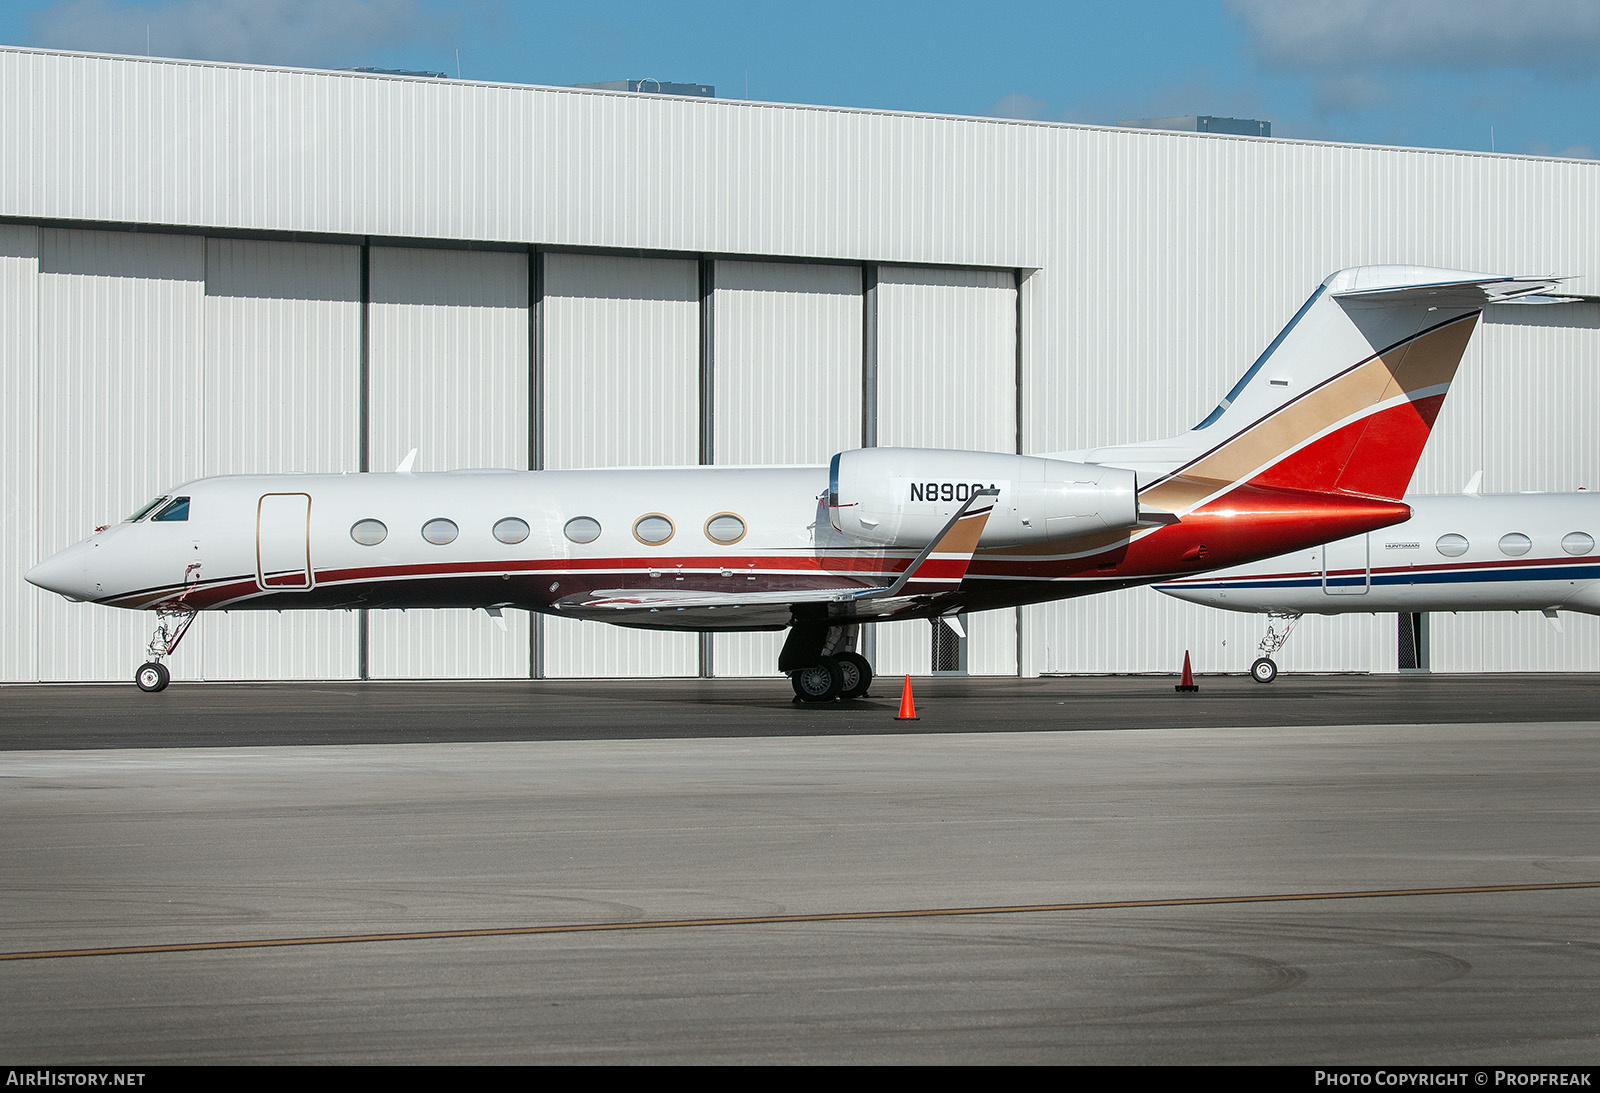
x: 553, y: 540
x: 1458, y: 552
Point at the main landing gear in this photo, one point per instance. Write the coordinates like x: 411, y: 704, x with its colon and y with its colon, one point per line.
x: 171, y: 624
x: 846, y: 676
x: 822, y: 664
x: 1264, y: 669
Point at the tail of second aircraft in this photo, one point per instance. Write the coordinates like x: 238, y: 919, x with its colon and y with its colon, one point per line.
x: 1343, y: 399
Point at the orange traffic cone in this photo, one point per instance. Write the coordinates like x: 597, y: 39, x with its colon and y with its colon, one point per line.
x: 908, y: 708
x: 1187, y: 683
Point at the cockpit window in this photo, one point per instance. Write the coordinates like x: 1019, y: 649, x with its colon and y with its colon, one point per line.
x: 147, y: 510
x: 177, y: 509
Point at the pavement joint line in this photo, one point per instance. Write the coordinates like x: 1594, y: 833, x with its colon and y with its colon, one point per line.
x: 770, y: 920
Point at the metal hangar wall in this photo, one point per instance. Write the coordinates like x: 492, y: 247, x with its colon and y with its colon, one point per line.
x: 210, y: 269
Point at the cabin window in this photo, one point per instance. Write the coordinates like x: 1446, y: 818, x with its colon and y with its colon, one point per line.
x: 511, y: 530
x: 1515, y: 543
x: 440, y: 531
x: 147, y: 510
x: 652, y: 530
x: 176, y: 511
x: 1452, y: 545
x: 725, y: 528
x: 582, y: 529
x: 369, y: 532
x: 1577, y: 542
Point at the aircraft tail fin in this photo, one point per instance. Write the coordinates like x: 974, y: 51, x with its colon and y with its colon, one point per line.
x: 1344, y: 398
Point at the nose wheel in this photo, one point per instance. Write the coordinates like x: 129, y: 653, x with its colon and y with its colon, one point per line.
x: 152, y: 677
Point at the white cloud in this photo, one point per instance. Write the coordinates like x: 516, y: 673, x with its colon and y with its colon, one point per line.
x: 1550, y: 37
x: 313, y: 33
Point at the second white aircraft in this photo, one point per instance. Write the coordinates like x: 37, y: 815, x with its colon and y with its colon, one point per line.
x: 1458, y: 552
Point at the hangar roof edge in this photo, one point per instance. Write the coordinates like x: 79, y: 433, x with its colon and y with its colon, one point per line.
x: 692, y: 102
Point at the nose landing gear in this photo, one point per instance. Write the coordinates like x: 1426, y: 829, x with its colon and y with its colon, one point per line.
x: 171, y: 624
x: 1264, y: 669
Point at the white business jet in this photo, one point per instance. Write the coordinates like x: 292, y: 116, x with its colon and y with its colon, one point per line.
x: 1316, y: 442
x: 1458, y: 552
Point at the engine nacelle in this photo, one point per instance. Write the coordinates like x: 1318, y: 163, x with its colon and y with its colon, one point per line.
x: 902, y: 497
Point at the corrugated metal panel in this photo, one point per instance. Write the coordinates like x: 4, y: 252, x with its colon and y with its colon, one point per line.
x: 594, y: 650
x: 947, y: 379
x: 788, y: 362
x: 449, y: 377
x: 19, y: 407
x: 947, y: 359
x: 746, y: 654
x: 991, y: 643
x: 788, y: 387
x: 282, y: 363
x: 121, y: 390
x: 622, y: 351
x: 1505, y: 641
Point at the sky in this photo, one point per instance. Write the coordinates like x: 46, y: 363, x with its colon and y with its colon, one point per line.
x: 1519, y: 76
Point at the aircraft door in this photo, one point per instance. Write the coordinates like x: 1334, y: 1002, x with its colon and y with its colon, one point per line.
x: 1346, y: 567
x: 283, y: 542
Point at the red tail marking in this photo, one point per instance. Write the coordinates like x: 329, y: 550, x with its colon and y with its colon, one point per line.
x: 1375, y: 456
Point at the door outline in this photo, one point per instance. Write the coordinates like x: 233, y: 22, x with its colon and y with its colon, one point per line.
x: 1348, y: 556
x: 285, y: 579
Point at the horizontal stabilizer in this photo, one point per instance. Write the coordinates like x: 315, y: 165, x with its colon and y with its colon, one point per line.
x: 1438, y: 287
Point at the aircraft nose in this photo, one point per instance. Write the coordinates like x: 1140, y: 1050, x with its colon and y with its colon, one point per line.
x: 64, y: 573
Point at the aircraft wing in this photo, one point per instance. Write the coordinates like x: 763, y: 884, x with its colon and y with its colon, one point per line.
x: 939, y: 568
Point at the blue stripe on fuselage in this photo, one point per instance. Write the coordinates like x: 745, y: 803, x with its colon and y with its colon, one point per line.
x: 1489, y: 575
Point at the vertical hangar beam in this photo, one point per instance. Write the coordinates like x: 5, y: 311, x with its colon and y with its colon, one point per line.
x: 708, y: 406
x: 364, y: 437
x: 536, y: 412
